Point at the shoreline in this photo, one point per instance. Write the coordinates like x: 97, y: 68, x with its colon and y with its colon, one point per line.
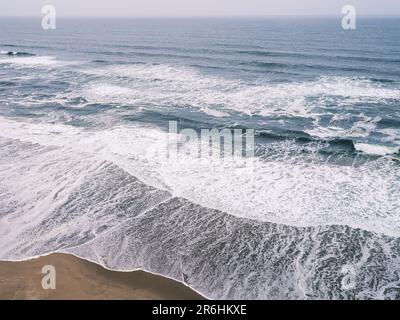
x: 80, y: 279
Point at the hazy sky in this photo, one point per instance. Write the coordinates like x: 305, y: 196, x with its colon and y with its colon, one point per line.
x: 196, y: 7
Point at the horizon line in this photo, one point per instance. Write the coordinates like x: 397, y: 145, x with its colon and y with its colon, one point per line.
x: 202, y: 16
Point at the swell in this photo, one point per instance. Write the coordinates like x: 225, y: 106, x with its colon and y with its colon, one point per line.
x: 17, y: 53
x: 9, y: 45
x: 315, y: 55
x: 314, y: 66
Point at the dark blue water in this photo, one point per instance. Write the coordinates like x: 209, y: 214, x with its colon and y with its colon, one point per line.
x: 85, y: 108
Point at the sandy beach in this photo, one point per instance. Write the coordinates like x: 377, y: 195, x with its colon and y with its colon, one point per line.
x: 81, y: 280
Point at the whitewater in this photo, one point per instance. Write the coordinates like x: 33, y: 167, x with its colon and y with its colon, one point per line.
x: 84, y: 168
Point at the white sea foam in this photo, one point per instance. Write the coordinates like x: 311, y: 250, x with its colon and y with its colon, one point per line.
x: 36, y: 61
x: 158, y: 86
x: 292, y: 192
x: 359, y: 129
x: 62, y: 189
x: 147, y: 86
x: 391, y: 135
x: 375, y: 149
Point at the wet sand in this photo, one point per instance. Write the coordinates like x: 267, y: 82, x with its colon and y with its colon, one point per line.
x: 81, y: 280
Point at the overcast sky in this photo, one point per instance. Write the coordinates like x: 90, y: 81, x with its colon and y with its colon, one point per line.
x: 197, y: 7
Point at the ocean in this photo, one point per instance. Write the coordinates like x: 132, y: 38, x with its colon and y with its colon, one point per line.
x: 84, y: 119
